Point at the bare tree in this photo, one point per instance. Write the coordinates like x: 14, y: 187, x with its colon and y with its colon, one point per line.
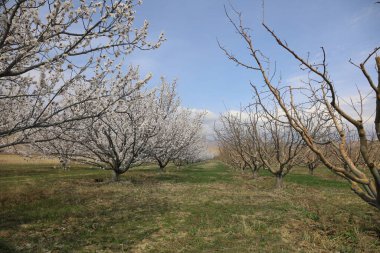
x: 260, y: 140
x: 312, y: 161
x: 232, y: 140
x: 228, y: 155
x: 279, y: 146
x: 236, y: 136
x: 324, y: 103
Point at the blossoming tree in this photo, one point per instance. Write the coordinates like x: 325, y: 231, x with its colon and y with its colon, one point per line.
x: 74, y: 48
x: 116, y: 140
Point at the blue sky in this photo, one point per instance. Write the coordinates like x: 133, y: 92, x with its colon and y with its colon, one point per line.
x: 208, y: 80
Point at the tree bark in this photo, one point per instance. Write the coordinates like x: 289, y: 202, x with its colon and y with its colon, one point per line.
x: 64, y: 163
x: 279, y: 181
x: 377, y: 116
x: 162, y: 165
x: 116, y: 176
x: 255, y: 173
x: 311, y: 169
x: 162, y: 168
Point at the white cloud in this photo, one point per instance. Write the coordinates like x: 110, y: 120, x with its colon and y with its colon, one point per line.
x: 296, y: 80
x: 242, y: 115
x: 211, y: 120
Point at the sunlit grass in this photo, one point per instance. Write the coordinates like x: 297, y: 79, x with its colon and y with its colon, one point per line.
x: 203, y: 207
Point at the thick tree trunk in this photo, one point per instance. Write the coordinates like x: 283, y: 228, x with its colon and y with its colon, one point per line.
x: 162, y: 165
x: 279, y: 181
x: 255, y: 173
x: 116, y: 176
x: 64, y: 163
x: 162, y: 168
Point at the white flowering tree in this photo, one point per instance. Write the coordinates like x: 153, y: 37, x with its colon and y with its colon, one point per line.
x: 55, y: 144
x: 178, y: 129
x: 177, y: 138
x: 61, y: 140
x: 52, y: 48
x: 117, y: 139
x: 195, y: 151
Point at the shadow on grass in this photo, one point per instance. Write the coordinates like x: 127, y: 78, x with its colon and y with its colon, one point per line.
x: 67, y: 223
x: 6, y: 247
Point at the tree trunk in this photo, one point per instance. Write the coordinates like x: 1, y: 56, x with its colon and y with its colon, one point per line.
x: 377, y: 116
x: 162, y: 168
x: 311, y: 169
x: 162, y: 165
x: 64, y: 163
x: 255, y: 173
x: 279, y: 181
x: 116, y: 176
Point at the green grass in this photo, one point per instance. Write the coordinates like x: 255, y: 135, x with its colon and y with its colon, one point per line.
x: 197, y: 174
x: 322, y: 179
x: 203, y: 207
x: 315, y: 181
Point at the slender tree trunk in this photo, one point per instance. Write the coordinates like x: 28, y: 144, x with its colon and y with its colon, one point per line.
x: 377, y: 116
x: 255, y: 173
x: 279, y: 181
x: 377, y: 123
x: 311, y: 169
x: 116, y: 176
x: 177, y: 164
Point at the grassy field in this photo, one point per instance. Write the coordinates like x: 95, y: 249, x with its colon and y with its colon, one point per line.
x: 204, y: 207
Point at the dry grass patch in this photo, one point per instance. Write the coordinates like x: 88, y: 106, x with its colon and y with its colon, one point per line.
x: 18, y: 159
